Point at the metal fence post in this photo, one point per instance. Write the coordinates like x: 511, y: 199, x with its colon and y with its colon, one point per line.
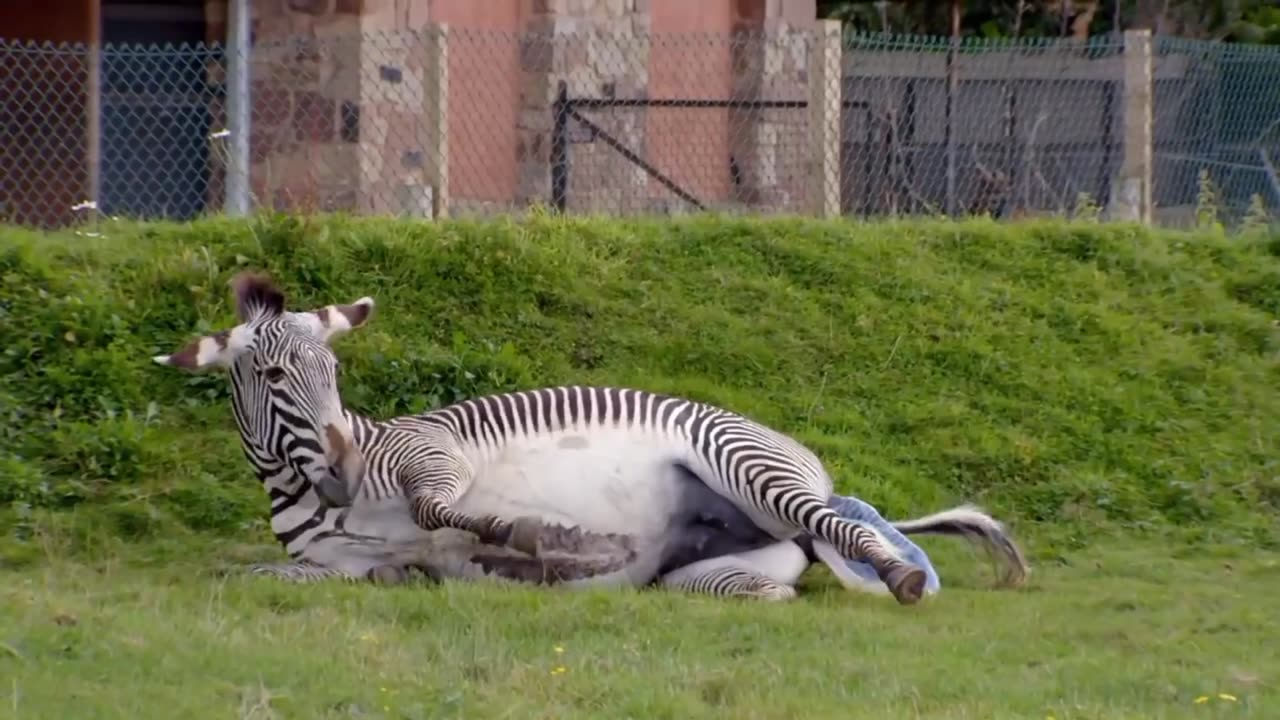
x: 239, y: 104
x: 560, y: 147
x: 825, y: 118
x: 1134, y: 200
x: 437, y: 112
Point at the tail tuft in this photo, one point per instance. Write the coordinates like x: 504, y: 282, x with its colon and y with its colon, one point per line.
x: 979, y: 528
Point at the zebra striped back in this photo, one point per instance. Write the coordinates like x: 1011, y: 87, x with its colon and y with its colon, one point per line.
x: 736, y: 450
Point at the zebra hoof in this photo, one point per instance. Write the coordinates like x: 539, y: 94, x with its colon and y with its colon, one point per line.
x: 906, y: 582
x: 526, y: 532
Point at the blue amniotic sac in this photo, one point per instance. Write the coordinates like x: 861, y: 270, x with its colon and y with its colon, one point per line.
x: 860, y: 511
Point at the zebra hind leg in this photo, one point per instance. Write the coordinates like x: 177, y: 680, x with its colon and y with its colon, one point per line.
x: 809, y: 512
x: 858, y: 541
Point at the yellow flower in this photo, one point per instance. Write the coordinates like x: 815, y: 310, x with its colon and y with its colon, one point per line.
x: 1227, y: 696
x: 1202, y: 699
x: 559, y: 649
x: 558, y: 671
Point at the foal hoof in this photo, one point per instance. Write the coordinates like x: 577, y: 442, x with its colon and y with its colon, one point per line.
x: 906, y: 582
x: 525, y: 533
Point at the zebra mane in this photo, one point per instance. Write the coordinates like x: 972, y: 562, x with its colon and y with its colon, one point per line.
x: 257, y: 296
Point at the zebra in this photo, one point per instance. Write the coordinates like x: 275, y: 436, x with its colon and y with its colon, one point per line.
x: 572, y: 485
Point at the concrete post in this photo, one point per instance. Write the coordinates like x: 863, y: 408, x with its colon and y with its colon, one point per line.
x: 436, y: 112
x: 824, y: 118
x: 1133, y: 199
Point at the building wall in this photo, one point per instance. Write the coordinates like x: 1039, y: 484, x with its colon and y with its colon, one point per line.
x: 604, y: 48
x: 43, y: 107
x: 342, y: 101
x: 484, y: 98
x: 691, y: 145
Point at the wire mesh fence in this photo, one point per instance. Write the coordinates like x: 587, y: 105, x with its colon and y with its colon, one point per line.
x: 436, y: 122
x: 981, y: 127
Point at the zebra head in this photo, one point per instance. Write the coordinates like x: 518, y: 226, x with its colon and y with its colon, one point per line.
x: 284, y: 385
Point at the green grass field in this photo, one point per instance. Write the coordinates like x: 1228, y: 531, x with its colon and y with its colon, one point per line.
x: 1118, y: 631
x: 1108, y: 390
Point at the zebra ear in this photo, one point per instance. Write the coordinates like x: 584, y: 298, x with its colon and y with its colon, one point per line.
x: 333, y: 321
x: 211, y: 352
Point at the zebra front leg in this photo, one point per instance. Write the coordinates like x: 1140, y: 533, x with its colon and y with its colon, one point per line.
x: 304, y: 571
x: 301, y: 571
x: 433, y: 484
x: 729, y: 582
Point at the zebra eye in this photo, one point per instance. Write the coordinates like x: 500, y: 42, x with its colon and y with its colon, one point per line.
x: 274, y: 373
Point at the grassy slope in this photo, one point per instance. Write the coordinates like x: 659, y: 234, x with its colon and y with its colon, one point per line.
x: 1079, y: 380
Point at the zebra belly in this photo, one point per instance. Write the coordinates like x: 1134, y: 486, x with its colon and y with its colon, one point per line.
x: 607, y: 481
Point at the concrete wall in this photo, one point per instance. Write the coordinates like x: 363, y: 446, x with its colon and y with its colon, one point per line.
x: 1067, y: 135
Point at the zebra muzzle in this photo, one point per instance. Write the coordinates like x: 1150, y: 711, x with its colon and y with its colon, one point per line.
x: 345, y: 475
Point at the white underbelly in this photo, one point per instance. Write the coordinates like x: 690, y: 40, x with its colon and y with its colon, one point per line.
x: 606, y: 481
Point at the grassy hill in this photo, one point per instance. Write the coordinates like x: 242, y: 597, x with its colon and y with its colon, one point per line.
x: 1070, y: 376
x: 1108, y: 389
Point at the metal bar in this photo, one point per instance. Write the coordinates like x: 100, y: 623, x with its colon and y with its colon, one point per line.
x: 1089, y: 147
x: 238, y: 107
x: 950, y: 110
x: 593, y: 103
x: 906, y: 141
x: 93, y: 106
x: 560, y: 110
x: 623, y: 150
x: 1107, y: 170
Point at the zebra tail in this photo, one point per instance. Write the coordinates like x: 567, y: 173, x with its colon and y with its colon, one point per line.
x: 979, y: 528
x: 859, y: 575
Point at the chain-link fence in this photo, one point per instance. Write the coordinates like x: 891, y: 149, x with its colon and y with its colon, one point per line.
x: 456, y: 121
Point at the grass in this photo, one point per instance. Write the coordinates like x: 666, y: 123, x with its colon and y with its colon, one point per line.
x: 1109, y: 390
x: 1122, y: 631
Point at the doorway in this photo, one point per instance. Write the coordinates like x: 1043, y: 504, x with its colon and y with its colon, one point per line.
x: 155, y: 111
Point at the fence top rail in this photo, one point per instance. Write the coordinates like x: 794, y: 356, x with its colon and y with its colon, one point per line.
x: 1100, y: 47
x: 1001, y: 65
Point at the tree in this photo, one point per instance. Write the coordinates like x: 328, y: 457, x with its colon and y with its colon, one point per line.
x: 1252, y: 21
